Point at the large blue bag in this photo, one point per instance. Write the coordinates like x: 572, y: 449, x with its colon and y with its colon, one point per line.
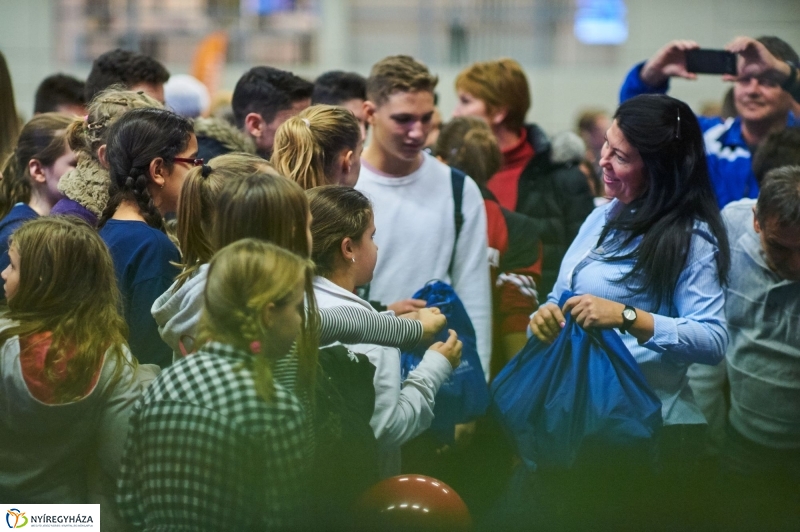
x: 465, y: 395
x: 584, y: 388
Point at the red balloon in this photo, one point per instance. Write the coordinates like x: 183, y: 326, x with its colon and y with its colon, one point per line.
x: 411, y: 503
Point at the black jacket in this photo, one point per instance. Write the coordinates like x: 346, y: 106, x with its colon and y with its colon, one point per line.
x: 558, y: 196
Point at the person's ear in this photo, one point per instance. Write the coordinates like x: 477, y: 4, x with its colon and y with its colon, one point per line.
x: 266, y: 315
x: 756, y: 225
x: 498, y: 116
x: 347, y: 161
x: 101, y: 156
x: 36, y: 171
x: 369, y: 112
x: 157, y: 170
x: 253, y: 124
x: 347, y: 249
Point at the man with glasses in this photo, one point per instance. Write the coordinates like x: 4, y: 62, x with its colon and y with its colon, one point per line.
x: 762, y: 102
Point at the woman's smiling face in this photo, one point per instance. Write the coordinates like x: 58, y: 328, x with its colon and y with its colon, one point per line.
x: 623, y: 168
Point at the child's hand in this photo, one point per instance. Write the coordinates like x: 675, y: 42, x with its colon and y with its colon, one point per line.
x: 432, y: 321
x: 451, y: 349
x: 404, y: 306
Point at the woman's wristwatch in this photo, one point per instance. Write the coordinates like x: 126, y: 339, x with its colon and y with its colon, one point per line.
x: 628, y: 317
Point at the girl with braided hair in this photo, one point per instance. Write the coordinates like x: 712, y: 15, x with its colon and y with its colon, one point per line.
x: 149, y: 153
x: 86, y: 187
x: 219, y: 441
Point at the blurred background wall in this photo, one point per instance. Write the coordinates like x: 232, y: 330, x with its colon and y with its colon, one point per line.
x: 576, y: 52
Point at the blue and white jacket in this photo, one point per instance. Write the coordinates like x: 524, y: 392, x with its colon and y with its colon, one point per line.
x: 727, y: 153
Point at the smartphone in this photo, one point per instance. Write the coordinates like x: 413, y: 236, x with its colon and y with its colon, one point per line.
x: 705, y: 61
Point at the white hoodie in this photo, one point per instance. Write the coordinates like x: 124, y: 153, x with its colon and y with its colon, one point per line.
x: 401, y: 411
x: 178, y: 314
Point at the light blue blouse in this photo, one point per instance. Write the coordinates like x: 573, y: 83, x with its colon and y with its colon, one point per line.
x: 692, y: 329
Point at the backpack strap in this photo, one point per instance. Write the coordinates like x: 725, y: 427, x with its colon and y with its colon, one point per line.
x: 457, y: 178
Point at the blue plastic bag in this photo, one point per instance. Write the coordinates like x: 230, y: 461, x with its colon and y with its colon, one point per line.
x: 465, y: 395
x: 584, y: 387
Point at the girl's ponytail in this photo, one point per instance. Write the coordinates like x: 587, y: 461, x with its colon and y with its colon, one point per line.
x: 307, y: 146
x: 297, y: 153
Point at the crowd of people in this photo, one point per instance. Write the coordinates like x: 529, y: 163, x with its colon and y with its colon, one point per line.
x: 203, y: 316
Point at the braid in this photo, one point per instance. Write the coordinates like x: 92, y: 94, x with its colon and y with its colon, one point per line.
x: 136, y: 182
x: 250, y: 330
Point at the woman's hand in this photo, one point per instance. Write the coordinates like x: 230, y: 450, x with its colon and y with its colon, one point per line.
x: 547, y: 322
x: 591, y: 311
x: 451, y: 349
x: 669, y: 61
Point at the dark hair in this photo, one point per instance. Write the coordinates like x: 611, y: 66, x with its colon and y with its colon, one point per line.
x: 266, y: 90
x: 337, y: 87
x: 678, y: 193
x: 779, y: 48
x: 780, y: 148
x: 468, y: 144
x: 338, y: 212
x: 125, y: 67
x: 56, y: 90
x: 779, y: 197
x: 134, y: 140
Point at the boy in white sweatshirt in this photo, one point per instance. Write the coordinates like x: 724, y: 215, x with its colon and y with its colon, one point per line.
x: 412, y: 198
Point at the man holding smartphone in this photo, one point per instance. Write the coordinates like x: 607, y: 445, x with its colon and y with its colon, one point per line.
x: 762, y: 103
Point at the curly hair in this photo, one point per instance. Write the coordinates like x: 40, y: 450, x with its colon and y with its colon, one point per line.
x: 127, y: 68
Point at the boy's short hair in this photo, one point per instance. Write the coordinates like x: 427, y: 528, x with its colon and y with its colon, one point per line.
x: 337, y: 87
x: 779, y: 198
x: 780, y: 148
x: 56, y: 90
x: 398, y: 73
x: 125, y: 67
x: 267, y: 90
x: 499, y: 84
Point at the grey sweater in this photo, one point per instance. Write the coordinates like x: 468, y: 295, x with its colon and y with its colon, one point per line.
x: 762, y: 362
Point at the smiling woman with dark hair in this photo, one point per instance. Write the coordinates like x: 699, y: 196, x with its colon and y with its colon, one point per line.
x: 652, y: 263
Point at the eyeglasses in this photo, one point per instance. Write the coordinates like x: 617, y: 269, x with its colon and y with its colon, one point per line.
x: 193, y: 162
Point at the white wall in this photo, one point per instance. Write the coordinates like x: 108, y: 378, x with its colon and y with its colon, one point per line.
x: 26, y: 28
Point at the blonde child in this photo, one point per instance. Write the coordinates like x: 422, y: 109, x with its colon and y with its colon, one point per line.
x: 220, y: 441
x: 68, y: 379
x: 320, y: 146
